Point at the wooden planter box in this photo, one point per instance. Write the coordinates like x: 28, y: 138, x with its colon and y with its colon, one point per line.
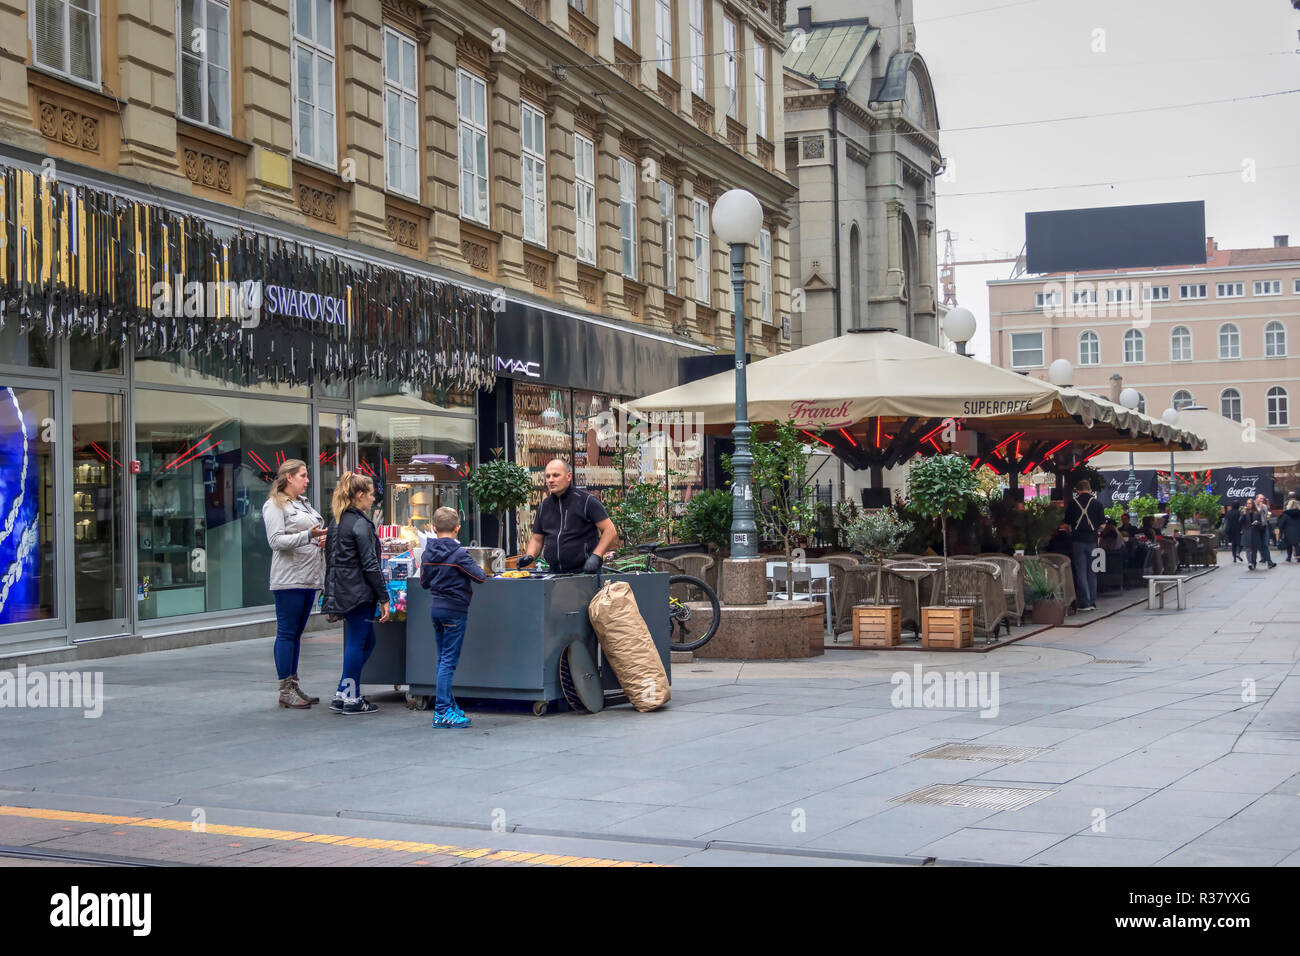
x: 877, y: 625
x: 947, y: 627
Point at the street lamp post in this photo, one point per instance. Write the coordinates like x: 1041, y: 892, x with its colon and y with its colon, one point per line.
x: 959, y: 327
x: 1171, y: 417
x: 737, y: 219
x: 1130, y: 398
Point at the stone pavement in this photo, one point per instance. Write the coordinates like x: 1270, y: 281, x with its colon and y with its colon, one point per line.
x: 1156, y: 738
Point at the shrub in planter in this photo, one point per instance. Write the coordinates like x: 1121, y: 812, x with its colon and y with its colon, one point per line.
x: 943, y: 486
x: 1049, y: 606
x: 707, y: 519
x: 500, y: 486
x: 876, y: 534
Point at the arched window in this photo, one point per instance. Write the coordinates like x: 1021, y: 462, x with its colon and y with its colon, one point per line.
x: 1180, y: 344
x: 1230, y: 404
x: 1134, y: 347
x: 1229, y: 341
x: 1089, y: 349
x: 1142, y: 403
x: 855, y: 268
x: 1274, y: 340
x: 1183, y: 398
x: 1279, y: 412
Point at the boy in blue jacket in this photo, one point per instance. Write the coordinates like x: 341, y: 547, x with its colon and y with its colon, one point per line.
x: 447, y: 570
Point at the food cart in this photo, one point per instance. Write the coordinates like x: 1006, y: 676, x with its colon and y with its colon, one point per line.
x: 520, y: 632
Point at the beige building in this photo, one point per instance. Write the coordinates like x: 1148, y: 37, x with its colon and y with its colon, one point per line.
x: 1222, y: 334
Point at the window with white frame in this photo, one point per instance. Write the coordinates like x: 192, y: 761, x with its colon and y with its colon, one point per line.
x: 1229, y: 341
x: 623, y: 19
x: 1026, y: 349
x: 1230, y: 404
x: 532, y: 127
x: 1230, y: 290
x: 1180, y: 344
x: 731, y: 65
x: 314, y: 133
x: 664, y: 35
x: 1117, y: 296
x: 579, y: 5
x: 1267, y: 287
x: 65, y: 38
x: 703, y: 287
x: 1135, y: 348
x: 1192, y: 291
x: 1274, y: 340
x: 1085, y: 297
x: 627, y: 213
x: 1295, y: 286
x: 472, y: 107
x: 1278, y: 411
x: 1089, y: 349
x: 1182, y: 398
x: 765, y: 274
x: 584, y: 181
x: 668, y: 234
x: 1155, y: 293
x: 1045, y: 300
x: 698, y: 55
x: 204, y: 41
x: 401, y: 108
x: 760, y: 88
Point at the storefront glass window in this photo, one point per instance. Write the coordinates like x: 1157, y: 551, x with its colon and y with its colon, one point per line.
x: 419, y: 463
x: 335, y: 431
x: 94, y: 355
x: 595, y: 442
x: 543, y: 430
x: 206, y: 464
x: 27, y: 531
x: 203, y: 370
x: 25, y: 350
x: 394, y: 394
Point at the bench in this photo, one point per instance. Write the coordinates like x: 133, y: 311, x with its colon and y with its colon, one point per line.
x: 1158, y: 584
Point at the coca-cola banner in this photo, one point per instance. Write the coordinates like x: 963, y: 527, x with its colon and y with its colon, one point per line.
x: 1116, y: 487
x: 1235, y: 485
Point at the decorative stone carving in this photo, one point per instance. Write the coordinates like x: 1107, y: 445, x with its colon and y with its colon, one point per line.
x: 535, y: 9
x: 585, y: 118
x: 580, y: 35
x: 588, y: 289
x: 472, y: 50
x: 404, y: 232
x: 814, y: 147
x: 69, y: 126
x: 633, y: 301
x: 537, y: 273
x: 766, y: 154
x: 205, y: 169
x: 702, y: 113
x: 476, y: 254
x: 533, y: 87
x: 318, y: 203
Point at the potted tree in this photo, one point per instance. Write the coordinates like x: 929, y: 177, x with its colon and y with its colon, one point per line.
x: 877, y: 534
x: 708, y: 519
x: 1049, y: 605
x: 499, y: 487
x: 942, y: 486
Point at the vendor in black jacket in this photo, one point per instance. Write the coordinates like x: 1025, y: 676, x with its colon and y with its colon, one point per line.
x: 571, y: 530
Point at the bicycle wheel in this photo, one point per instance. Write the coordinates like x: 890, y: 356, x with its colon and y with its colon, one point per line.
x: 691, y: 628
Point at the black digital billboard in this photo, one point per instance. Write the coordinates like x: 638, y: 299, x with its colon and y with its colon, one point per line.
x: 1115, y: 237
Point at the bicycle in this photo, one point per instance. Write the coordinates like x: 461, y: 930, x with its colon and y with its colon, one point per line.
x: 684, y: 621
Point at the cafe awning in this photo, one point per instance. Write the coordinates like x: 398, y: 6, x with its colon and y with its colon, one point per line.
x: 872, y: 388
x: 1228, y: 444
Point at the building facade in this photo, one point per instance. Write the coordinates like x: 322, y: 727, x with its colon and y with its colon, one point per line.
x: 1221, y: 335
x: 469, y: 227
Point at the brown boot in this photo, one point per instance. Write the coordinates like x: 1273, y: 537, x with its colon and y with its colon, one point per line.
x: 302, y: 693
x: 289, y: 696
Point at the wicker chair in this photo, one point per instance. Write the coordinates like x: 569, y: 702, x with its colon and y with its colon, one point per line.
x: 975, y: 584
x: 897, y: 589
x: 857, y: 585
x: 696, y: 565
x: 1112, y: 577
x: 841, y: 564
x: 1061, y: 569
x: 904, y: 556
x: 1013, y: 584
x: 1168, y: 556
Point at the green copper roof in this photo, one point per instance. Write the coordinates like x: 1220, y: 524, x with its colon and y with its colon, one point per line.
x: 833, y: 51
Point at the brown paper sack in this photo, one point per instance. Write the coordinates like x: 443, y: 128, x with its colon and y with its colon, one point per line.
x: 626, y: 641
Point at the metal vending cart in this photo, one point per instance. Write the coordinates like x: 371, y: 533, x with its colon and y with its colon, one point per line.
x: 528, y: 639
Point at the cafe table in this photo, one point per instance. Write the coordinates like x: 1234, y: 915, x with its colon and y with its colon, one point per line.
x: 819, y: 571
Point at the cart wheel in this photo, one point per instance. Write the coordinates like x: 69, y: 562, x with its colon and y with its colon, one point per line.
x: 539, y: 707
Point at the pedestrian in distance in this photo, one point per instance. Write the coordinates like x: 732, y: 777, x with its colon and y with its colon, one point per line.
x: 1232, y: 530
x: 1289, y: 523
x: 1267, y: 526
x: 296, y: 534
x: 449, y: 573
x: 354, y: 584
x: 1084, y: 514
x: 1255, y: 532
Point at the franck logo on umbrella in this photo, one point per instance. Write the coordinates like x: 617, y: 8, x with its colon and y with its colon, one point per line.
x: 815, y: 413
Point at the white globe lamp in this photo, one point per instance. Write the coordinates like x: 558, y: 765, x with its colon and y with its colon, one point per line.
x: 1170, y: 416
x: 738, y: 217
x: 959, y: 327
x: 1061, y: 372
x: 1130, y: 398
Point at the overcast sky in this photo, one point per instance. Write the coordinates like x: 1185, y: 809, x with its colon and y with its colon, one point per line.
x: 1000, y: 62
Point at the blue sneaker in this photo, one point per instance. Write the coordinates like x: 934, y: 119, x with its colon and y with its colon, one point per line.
x: 450, y: 720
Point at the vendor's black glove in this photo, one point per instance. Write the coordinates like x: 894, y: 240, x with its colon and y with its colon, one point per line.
x: 593, y: 564
x: 526, y: 560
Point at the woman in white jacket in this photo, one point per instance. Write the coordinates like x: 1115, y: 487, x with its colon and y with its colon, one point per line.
x: 296, y: 534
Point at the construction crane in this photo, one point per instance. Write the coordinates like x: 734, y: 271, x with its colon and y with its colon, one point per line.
x: 948, y: 267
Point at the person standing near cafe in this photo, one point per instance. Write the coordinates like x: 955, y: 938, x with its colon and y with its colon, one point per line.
x: 1232, y: 530
x: 1084, y: 514
x: 571, y: 531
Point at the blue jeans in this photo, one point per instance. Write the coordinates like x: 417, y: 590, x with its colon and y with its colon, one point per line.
x: 292, y: 608
x: 449, y: 633
x: 358, y: 642
x: 1085, y: 578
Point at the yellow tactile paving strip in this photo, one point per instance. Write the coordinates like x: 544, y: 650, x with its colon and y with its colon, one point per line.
x: 397, y: 846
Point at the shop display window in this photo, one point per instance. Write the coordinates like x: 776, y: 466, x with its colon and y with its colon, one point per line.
x: 24, y: 349
x: 27, y: 525
x: 595, y: 442
x: 206, y: 466
x: 394, y: 394
x: 198, y: 369
x: 543, y: 431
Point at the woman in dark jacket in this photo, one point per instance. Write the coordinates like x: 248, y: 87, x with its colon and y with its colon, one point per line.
x: 354, y: 585
x: 1254, y: 521
x: 1232, y: 526
x: 1289, y: 524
